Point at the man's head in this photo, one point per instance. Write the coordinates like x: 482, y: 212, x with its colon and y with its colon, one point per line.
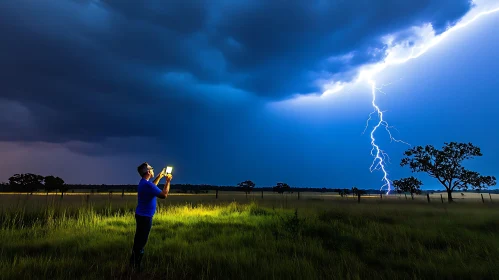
x: 145, y: 170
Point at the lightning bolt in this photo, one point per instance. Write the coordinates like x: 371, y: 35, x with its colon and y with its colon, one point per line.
x: 380, y: 157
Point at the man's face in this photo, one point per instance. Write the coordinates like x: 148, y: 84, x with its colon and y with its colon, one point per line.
x: 151, y: 171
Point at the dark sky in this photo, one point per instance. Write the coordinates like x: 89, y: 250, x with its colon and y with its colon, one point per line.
x: 227, y: 91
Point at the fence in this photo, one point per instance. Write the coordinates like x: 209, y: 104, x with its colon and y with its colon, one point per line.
x: 238, y: 196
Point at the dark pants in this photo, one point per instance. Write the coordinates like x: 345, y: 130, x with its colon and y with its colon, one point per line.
x: 142, y: 230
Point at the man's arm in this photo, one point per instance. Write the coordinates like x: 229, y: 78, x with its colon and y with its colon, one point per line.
x: 160, y: 175
x: 166, y: 189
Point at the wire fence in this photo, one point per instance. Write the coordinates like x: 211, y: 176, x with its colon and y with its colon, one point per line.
x: 213, y: 196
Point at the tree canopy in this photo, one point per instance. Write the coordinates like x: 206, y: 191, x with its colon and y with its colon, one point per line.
x: 53, y: 183
x: 29, y: 182
x: 281, y: 188
x: 246, y: 186
x: 26, y: 182
x: 410, y: 184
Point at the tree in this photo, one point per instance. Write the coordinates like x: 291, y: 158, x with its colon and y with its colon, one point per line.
x: 411, y: 185
x: 246, y: 186
x: 26, y: 182
x: 344, y: 192
x: 355, y: 190
x: 445, y: 166
x: 281, y: 188
x: 53, y: 183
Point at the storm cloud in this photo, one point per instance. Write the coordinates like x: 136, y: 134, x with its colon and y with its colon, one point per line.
x: 92, y: 71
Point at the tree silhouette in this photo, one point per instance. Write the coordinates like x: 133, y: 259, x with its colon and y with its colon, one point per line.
x: 26, y: 182
x: 246, y: 186
x: 281, y: 188
x: 344, y: 192
x: 445, y: 166
x: 411, y: 185
x: 53, y: 183
x: 355, y: 190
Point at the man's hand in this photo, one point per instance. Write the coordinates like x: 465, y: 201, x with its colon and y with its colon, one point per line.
x: 159, y: 176
x: 169, y: 177
x: 166, y: 189
x: 162, y: 173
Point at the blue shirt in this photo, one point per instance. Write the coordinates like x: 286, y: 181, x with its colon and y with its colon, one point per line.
x: 146, y: 194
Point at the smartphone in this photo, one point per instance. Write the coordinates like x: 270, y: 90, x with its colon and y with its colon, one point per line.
x: 169, y: 169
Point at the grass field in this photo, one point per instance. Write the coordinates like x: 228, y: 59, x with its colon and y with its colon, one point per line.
x: 234, y: 237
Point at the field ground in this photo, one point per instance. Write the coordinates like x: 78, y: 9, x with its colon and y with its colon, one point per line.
x: 319, y: 236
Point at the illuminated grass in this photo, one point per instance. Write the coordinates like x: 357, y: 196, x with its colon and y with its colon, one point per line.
x: 248, y: 241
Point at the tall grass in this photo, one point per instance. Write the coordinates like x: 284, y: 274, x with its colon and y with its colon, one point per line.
x: 248, y: 241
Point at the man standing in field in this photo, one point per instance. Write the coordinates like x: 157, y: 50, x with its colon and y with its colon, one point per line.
x: 146, y: 207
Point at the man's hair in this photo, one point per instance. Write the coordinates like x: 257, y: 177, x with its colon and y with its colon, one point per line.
x: 143, y: 168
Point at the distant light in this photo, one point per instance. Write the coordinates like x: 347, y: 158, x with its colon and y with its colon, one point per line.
x: 169, y: 169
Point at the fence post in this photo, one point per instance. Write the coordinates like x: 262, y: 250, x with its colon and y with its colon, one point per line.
x: 298, y: 195
x: 216, y: 194
x: 483, y: 201
x: 405, y: 196
x: 62, y: 195
x: 358, y: 197
x: 381, y: 196
x: 490, y: 198
x: 442, y: 198
x: 123, y: 192
x: 428, y: 197
x: 246, y: 195
x: 88, y: 198
x: 412, y: 195
x: 262, y: 194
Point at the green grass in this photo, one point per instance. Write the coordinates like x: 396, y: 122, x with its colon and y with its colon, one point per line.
x: 309, y: 240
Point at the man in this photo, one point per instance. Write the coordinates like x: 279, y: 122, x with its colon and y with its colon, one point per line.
x: 146, y: 207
